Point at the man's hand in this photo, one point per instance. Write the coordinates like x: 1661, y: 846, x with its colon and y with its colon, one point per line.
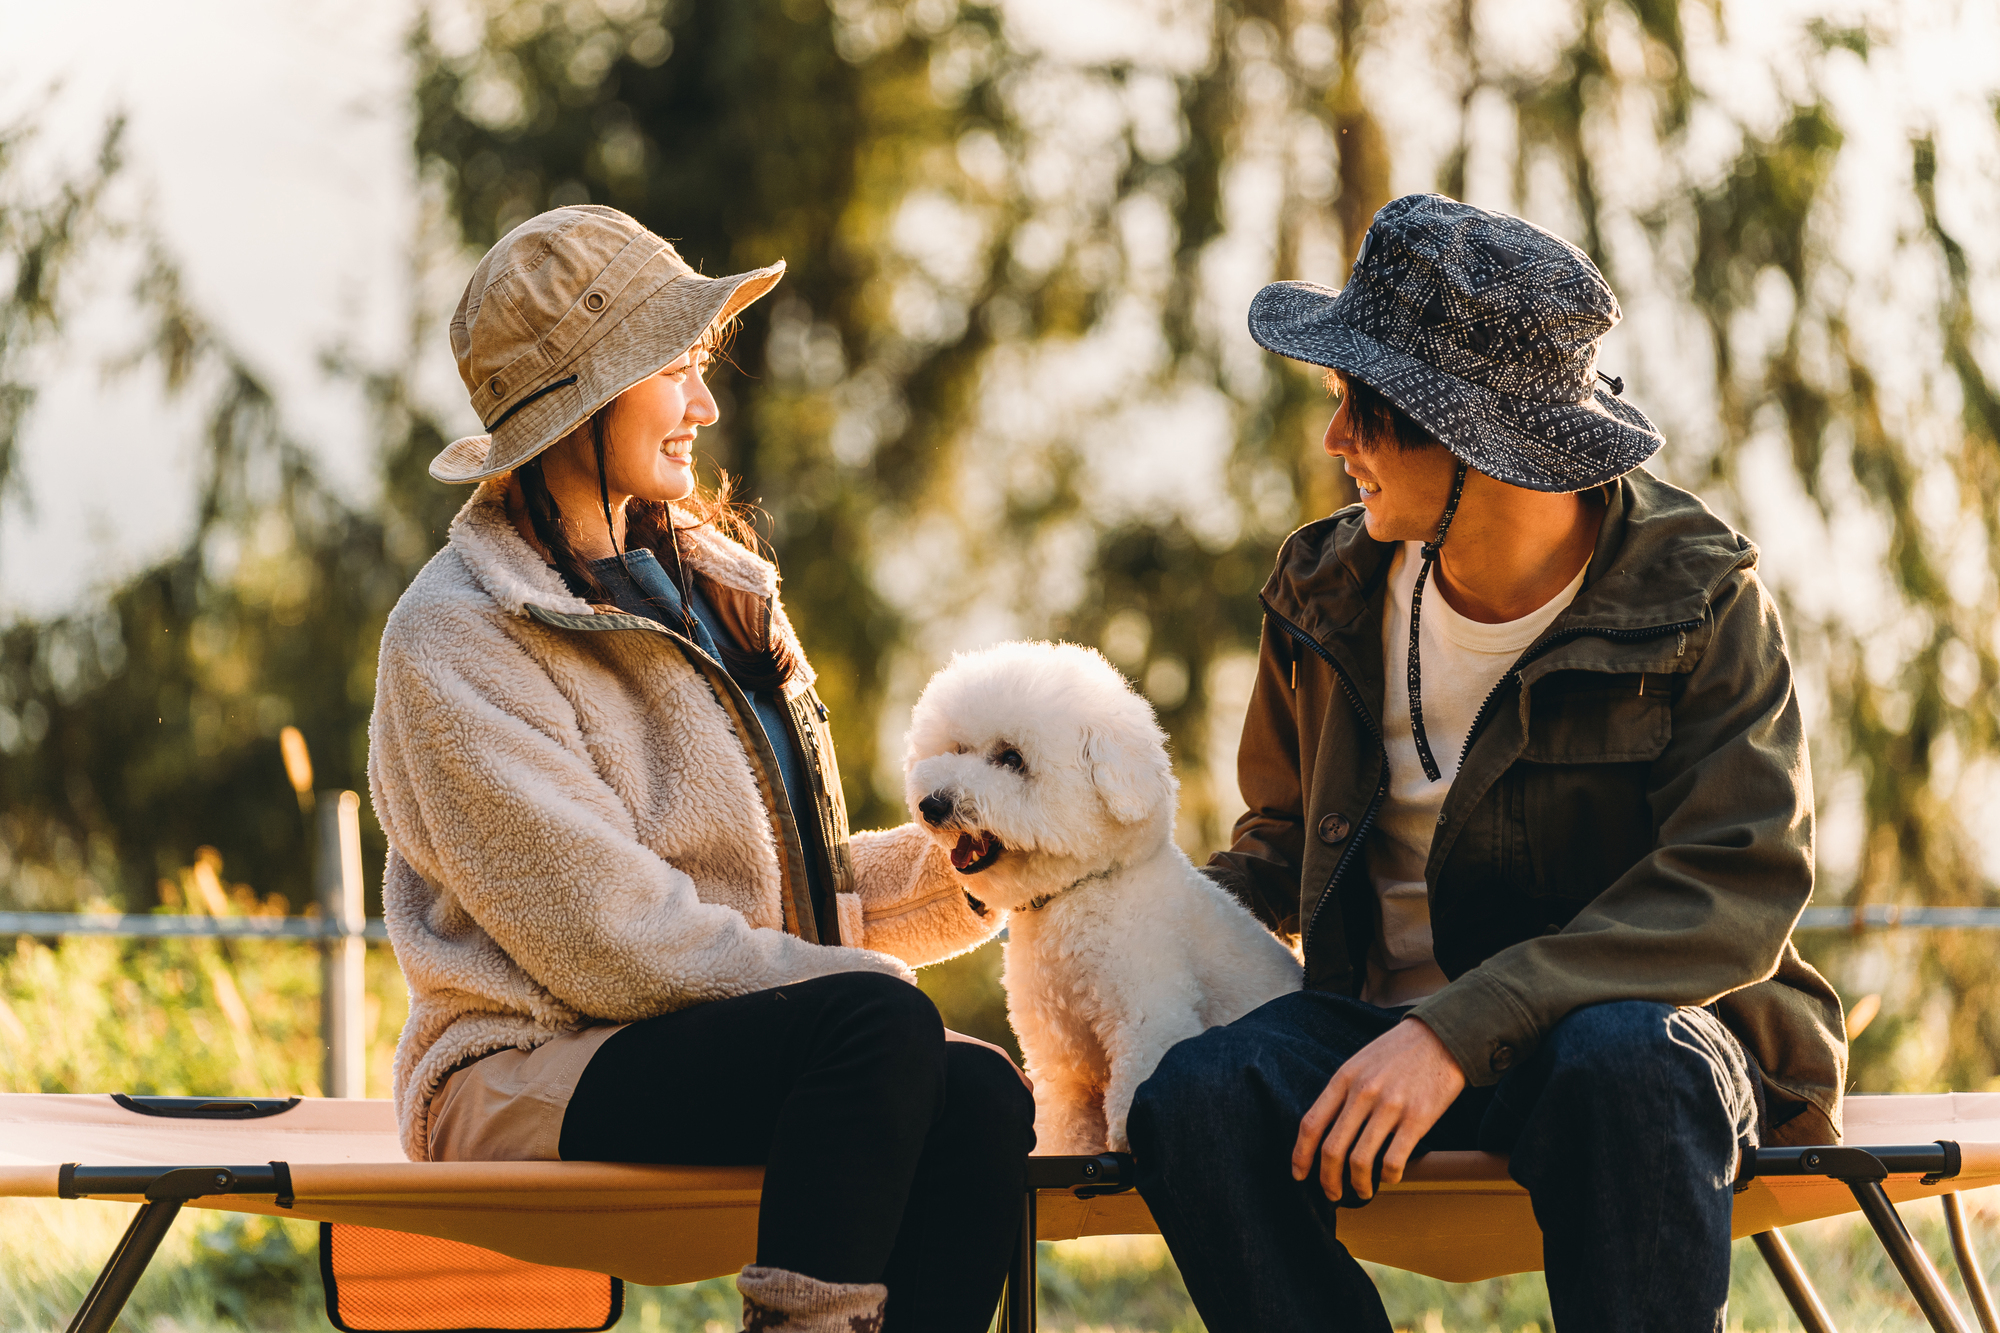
x: 1392, y: 1091
x: 1000, y: 1051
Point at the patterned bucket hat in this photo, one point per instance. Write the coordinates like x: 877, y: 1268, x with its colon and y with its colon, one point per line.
x: 1484, y: 329
x: 566, y: 312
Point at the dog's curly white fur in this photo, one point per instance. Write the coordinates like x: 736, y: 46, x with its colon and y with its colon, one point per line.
x: 1046, y: 778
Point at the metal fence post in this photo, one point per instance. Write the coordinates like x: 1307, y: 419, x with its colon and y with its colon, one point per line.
x: 343, y: 985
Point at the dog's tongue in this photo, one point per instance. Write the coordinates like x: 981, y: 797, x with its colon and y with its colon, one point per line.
x: 969, y: 849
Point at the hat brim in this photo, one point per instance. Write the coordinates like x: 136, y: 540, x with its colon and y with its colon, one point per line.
x: 1554, y: 447
x: 653, y: 335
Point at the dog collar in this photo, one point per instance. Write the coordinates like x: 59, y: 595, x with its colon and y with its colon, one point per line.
x: 1037, y: 904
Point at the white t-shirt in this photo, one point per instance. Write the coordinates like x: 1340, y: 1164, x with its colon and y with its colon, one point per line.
x: 1462, y: 661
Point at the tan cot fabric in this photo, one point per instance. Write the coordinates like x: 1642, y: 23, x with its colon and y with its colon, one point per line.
x: 508, y: 1106
x: 1457, y: 1216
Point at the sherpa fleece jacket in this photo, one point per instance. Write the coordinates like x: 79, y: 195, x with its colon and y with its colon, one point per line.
x: 579, y: 831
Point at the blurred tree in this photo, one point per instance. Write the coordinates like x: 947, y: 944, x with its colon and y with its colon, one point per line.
x: 267, y: 615
x: 40, y: 234
x: 983, y: 401
x: 966, y: 216
x: 1910, y: 720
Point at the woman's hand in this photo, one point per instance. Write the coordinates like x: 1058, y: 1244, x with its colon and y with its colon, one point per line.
x: 949, y: 1035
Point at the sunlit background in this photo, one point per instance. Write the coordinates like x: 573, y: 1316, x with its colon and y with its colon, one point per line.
x: 1005, y: 390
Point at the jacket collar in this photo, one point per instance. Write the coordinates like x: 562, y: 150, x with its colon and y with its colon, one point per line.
x: 509, y: 571
x: 1660, y: 555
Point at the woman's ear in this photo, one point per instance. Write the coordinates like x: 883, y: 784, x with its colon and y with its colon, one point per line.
x: 1132, y: 780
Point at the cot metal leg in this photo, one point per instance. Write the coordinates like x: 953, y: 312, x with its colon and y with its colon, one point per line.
x: 1910, y: 1260
x: 1017, y: 1311
x: 127, y: 1264
x: 1968, y: 1264
x: 1792, y: 1280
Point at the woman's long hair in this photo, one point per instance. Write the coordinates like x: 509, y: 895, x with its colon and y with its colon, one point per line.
x: 752, y: 652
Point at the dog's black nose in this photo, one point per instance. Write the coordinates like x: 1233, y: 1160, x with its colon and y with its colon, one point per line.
x: 935, y: 808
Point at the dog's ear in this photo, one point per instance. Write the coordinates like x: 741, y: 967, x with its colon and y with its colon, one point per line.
x: 1131, y: 780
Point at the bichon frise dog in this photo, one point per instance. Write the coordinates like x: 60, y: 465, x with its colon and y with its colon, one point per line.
x: 1046, y: 778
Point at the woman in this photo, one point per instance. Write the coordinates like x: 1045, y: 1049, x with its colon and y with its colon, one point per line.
x: 620, y: 882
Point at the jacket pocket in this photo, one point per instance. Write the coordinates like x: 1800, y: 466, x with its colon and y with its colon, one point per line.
x: 1610, y: 721
x: 1587, y: 824
x: 1583, y: 783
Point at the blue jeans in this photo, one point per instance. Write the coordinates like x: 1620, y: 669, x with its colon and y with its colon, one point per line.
x: 1624, y: 1127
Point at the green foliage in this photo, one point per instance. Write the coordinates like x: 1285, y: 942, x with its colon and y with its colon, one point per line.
x: 190, y: 1018
x: 967, y: 993
x: 255, y: 1264
x: 142, y: 726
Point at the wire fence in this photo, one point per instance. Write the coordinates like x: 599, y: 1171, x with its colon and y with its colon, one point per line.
x: 56, y: 925
x: 342, y: 932
x: 1890, y: 916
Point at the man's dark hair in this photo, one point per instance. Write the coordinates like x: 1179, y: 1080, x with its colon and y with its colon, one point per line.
x: 1377, y: 420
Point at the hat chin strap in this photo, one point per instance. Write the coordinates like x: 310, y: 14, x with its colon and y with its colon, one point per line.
x: 1430, y: 556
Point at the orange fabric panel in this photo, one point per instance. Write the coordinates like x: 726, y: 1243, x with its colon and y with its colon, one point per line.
x: 393, y: 1282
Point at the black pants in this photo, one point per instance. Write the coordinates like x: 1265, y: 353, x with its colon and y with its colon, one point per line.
x: 890, y: 1154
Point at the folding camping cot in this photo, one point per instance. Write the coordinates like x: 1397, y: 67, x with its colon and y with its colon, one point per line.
x: 452, y: 1245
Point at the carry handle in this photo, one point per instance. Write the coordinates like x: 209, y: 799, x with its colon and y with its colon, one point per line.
x: 207, y: 1108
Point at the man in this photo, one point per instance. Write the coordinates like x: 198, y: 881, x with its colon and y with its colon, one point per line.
x: 1527, y: 778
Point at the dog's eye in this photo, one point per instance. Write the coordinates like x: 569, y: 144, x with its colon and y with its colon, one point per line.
x: 1009, y: 759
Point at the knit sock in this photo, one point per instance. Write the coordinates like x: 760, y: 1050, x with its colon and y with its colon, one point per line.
x: 774, y: 1298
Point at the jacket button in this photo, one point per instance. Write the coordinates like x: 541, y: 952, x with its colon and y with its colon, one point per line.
x: 1334, y: 828
x: 1502, y: 1059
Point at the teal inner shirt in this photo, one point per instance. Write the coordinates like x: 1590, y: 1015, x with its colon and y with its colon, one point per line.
x: 639, y: 586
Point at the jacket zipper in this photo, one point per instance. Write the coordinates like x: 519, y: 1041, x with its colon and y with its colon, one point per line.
x: 1479, y: 720
x: 1367, y: 820
x: 775, y: 777
x: 806, y: 741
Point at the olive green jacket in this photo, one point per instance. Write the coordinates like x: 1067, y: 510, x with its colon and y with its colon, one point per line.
x: 1632, y: 817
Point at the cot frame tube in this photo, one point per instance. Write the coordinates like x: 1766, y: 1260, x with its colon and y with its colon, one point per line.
x: 1085, y: 1177
x: 1792, y: 1280
x: 1863, y: 1171
x: 1969, y: 1270
x: 1017, y: 1304
x: 166, y: 1190
x: 1910, y: 1260
x: 121, y: 1273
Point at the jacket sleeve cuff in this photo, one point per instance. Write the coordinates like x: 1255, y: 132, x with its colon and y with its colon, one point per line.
x: 1481, y: 1025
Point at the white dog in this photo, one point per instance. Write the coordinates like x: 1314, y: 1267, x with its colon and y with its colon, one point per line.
x: 1047, y: 779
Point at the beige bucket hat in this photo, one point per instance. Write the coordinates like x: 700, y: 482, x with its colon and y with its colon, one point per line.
x: 566, y: 312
